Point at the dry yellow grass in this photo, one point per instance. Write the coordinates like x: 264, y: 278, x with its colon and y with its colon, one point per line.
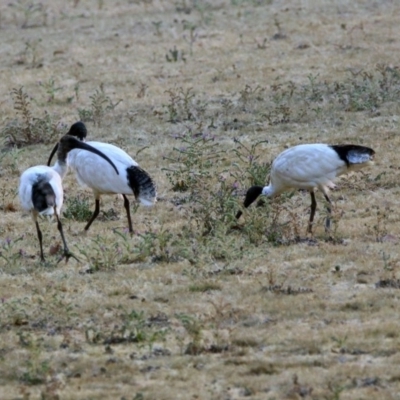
x: 229, y: 314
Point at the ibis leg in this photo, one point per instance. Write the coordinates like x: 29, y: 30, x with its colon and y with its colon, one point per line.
x: 95, y: 214
x: 67, y: 254
x: 128, y: 213
x: 329, y: 210
x: 39, y: 234
x: 312, y: 212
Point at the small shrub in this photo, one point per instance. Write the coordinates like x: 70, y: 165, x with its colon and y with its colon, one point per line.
x: 26, y: 129
x: 132, y: 327
x: 78, y: 208
x: 204, y: 287
x: 175, y: 55
x: 101, y: 255
x: 100, y: 105
x: 183, y: 105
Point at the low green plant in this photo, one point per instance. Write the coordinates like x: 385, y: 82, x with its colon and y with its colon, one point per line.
x: 379, y: 228
x: 192, y: 37
x: 51, y: 88
x: 35, y: 372
x: 15, y: 312
x: 194, y: 330
x: 204, y: 287
x: 191, y: 162
x: 10, y: 162
x: 175, y: 55
x: 31, y: 13
x: 132, y: 327
x: 101, y: 255
x: 100, y: 106
x: 157, y: 244
x: 32, y: 55
x: 182, y: 105
x: 250, y: 166
x: 26, y: 129
x: 78, y: 208
x: 9, y: 254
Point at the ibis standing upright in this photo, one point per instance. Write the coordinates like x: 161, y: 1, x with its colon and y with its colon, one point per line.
x: 311, y: 166
x: 41, y: 191
x: 98, y: 175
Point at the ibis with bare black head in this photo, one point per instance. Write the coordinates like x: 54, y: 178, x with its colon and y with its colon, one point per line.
x: 41, y: 190
x: 311, y: 166
x: 98, y: 175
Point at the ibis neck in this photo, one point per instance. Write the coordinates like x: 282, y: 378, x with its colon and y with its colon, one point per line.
x: 269, y: 191
x: 61, y: 168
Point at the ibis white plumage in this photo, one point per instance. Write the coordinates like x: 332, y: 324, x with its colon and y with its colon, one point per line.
x: 41, y: 191
x: 311, y: 166
x: 98, y: 175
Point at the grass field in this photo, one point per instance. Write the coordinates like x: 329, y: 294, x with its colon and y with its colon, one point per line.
x: 203, y: 95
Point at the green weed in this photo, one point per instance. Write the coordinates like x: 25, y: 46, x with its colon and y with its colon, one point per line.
x: 132, y: 327
x: 102, y: 256
x: 51, y: 88
x: 31, y: 14
x: 26, y: 129
x: 9, y: 254
x: 100, y: 106
x: 78, y: 208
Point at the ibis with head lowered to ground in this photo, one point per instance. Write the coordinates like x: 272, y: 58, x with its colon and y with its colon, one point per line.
x: 41, y: 191
x: 311, y: 166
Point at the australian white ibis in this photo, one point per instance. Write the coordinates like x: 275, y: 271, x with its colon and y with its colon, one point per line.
x: 98, y: 175
x: 310, y: 166
x: 41, y: 191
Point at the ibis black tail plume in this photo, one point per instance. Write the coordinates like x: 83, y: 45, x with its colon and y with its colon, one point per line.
x: 251, y: 196
x: 353, y: 154
x: 142, y: 185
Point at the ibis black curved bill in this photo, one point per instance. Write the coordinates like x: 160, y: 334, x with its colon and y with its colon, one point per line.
x: 68, y: 143
x: 52, y: 154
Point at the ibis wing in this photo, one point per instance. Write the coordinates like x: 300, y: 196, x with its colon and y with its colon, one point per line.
x: 115, y: 153
x: 307, y: 166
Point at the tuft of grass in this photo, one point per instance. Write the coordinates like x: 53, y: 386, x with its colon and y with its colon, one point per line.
x: 30, y: 13
x: 78, y: 208
x: 100, y: 106
x: 9, y: 254
x: 204, y: 287
x: 27, y: 129
x: 133, y: 327
x: 175, y: 55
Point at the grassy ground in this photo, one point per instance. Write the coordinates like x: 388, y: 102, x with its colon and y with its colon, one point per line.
x: 203, y: 94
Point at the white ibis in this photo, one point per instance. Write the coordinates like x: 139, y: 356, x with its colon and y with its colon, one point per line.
x: 98, y: 175
x: 310, y: 166
x: 41, y: 191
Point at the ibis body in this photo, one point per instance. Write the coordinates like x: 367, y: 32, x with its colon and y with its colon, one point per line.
x: 97, y: 174
x: 41, y: 191
x: 311, y: 166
